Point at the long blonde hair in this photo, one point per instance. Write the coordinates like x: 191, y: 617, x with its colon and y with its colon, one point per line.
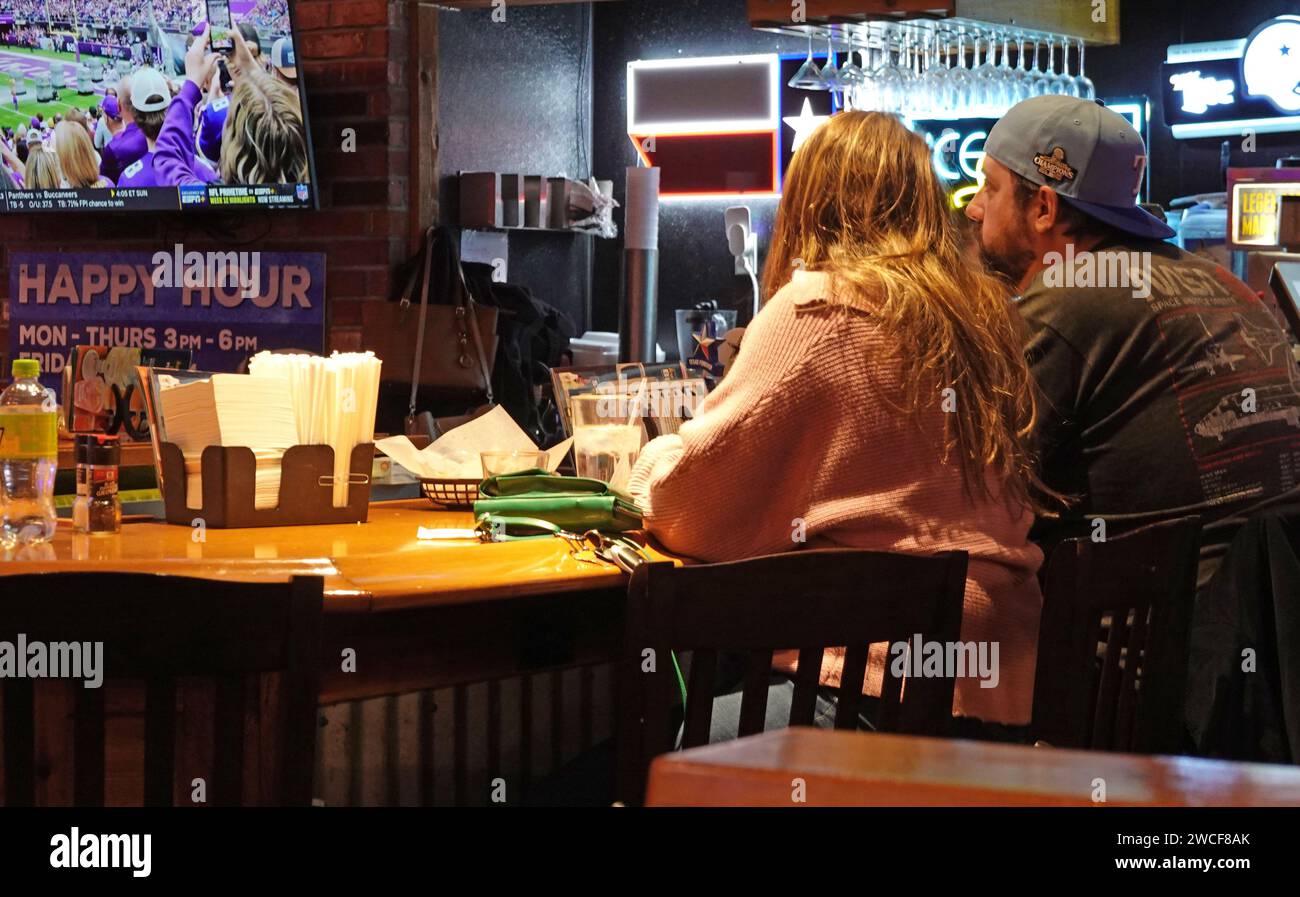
x: 264, y: 141
x: 42, y: 170
x: 862, y: 203
x: 76, y: 154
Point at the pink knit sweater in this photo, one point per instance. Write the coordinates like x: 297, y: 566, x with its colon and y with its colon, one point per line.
x: 802, y: 428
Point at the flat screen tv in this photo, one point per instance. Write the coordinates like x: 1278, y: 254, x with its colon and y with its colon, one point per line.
x: 164, y: 105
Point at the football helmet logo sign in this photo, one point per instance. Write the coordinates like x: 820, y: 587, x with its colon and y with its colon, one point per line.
x: 1270, y: 66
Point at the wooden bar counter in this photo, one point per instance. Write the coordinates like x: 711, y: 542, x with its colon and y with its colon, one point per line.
x: 417, y: 614
x: 844, y: 769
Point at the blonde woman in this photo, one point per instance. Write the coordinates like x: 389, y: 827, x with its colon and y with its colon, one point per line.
x: 264, y: 139
x: 42, y: 171
x: 78, y: 160
x: 879, y: 400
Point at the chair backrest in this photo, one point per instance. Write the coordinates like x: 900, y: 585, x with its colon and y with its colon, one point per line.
x: 807, y: 600
x: 1112, y: 644
x: 156, y: 630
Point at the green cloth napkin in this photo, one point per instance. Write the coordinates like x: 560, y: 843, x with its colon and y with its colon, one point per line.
x: 576, y: 504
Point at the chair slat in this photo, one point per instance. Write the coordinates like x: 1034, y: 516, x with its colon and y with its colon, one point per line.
x: 1127, y: 701
x: 851, y: 681
x: 228, y: 742
x: 160, y: 742
x: 1112, y: 673
x: 803, y: 706
x: 88, y: 746
x: 20, y: 742
x: 891, y: 698
x: 699, y: 697
x: 753, y: 703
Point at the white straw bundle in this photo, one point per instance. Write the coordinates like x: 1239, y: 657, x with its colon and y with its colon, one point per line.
x: 334, y: 401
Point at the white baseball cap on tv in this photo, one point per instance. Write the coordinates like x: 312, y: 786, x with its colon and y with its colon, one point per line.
x: 147, y: 83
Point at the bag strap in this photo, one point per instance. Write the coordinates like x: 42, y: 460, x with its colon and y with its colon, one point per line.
x: 477, y: 336
x: 424, y: 311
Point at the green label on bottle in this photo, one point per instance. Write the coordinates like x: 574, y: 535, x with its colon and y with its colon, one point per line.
x: 28, y: 435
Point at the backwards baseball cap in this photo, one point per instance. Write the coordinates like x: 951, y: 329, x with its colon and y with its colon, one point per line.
x: 109, y: 105
x: 283, y: 59
x: 1090, y: 155
x: 149, y: 90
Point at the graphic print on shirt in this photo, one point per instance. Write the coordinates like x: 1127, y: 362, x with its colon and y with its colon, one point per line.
x: 1239, y: 391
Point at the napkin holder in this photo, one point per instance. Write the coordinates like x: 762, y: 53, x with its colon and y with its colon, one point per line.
x: 228, y: 478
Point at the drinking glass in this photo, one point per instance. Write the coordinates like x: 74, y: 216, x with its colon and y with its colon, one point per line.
x: 607, y: 434
x: 984, y: 96
x: 830, y: 71
x: 891, y: 81
x: 809, y: 76
x: 937, y: 88
x: 851, y: 74
x: 1023, y: 87
x: 959, y: 80
x: 1004, y: 77
x: 497, y: 464
x: 1042, y: 83
x: 1083, y: 85
x: 1062, y: 83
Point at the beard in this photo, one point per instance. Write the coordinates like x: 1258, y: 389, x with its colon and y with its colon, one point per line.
x: 1011, y: 261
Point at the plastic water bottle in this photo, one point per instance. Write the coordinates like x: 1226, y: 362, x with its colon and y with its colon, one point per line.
x: 29, y: 457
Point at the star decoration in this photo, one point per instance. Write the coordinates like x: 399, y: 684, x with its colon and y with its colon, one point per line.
x: 803, y: 124
x: 703, y: 341
x: 1286, y: 51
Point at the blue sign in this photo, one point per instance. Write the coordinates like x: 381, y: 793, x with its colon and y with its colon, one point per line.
x: 220, y: 306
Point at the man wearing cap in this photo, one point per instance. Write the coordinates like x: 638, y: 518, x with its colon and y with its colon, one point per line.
x: 1167, y: 384
x: 149, y: 97
x: 283, y: 62
x: 128, y: 143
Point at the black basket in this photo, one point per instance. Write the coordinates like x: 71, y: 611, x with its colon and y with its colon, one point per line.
x: 454, y: 495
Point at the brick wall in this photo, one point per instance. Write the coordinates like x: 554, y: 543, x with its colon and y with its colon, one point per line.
x: 353, y: 56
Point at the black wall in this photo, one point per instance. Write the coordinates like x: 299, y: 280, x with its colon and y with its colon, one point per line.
x: 511, y: 98
x: 694, y: 262
x: 1147, y: 28
x: 515, y: 97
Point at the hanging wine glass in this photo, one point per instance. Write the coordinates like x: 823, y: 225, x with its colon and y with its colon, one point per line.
x: 1062, y: 83
x: 985, y: 93
x: 1023, y: 86
x: 1042, y: 83
x: 809, y: 76
x: 890, y: 78
x: 959, y: 80
x: 830, y: 71
x: 1005, y: 78
x: 1082, y: 83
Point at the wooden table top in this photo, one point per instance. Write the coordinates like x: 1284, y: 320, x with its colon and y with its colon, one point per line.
x: 378, y: 565
x: 864, y: 769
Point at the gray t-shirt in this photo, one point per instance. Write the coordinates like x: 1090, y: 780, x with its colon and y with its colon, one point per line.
x: 1182, y: 400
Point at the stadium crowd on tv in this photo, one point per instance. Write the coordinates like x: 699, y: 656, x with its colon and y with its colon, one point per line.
x: 272, y: 14
x: 151, y: 130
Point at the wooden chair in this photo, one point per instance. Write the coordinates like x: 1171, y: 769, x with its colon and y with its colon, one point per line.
x: 156, y: 629
x: 810, y: 600
x: 1112, y: 645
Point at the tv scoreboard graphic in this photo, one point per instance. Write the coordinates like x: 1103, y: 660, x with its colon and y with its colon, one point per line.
x: 158, y: 199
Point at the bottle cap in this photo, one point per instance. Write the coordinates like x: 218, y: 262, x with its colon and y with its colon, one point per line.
x: 27, y: 367
x: 98, y: 450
